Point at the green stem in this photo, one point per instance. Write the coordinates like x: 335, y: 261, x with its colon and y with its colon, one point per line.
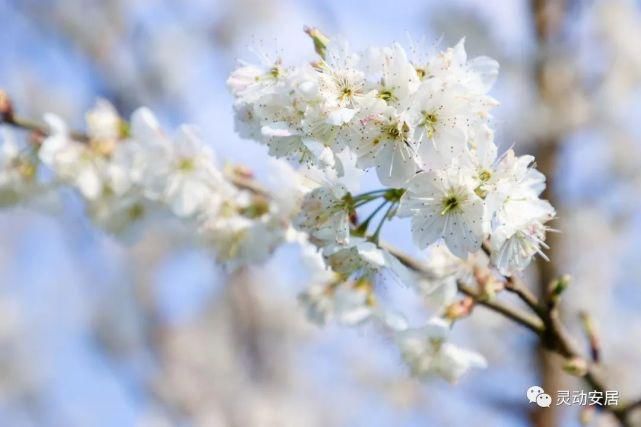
x: 376, y: 193
x: 362, y: 228
x: 362, y: 202
x: 377, y: 233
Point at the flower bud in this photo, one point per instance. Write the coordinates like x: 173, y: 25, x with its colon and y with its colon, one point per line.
x: 459, y: 309
x: 320, y: 40
x: 6, y: 108
x: 487, y: 282
x: 557, y: 287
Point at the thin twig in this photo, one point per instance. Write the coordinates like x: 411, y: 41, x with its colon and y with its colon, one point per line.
x: 551, y: 331
x: 38, y: 128
x: 514, y: 285
x: 532, y: 323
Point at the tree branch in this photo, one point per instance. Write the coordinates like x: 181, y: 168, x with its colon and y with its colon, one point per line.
x: 547, y: 326
x: 523, y: 319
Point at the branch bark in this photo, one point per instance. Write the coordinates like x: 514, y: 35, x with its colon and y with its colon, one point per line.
x: 548, y: 17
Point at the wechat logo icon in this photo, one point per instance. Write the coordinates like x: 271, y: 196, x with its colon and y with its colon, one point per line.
x: 536, y: 394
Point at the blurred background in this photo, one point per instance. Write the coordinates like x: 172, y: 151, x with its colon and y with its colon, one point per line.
x: 97, y: 333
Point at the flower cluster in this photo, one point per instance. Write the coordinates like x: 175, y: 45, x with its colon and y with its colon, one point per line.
x: 18, y: 171
x: 423, y: 123
x: 130, y: 172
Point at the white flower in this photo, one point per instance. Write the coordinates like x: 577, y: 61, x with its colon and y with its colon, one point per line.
x: 73, y: 162
x: 512, y: 252
x: 287, y: 139
x: 122, y: 215
x: 244, y: 77
x: 334, y: 296
x: 253, y: 85
x: 428, y: 354
x: 385, y: 142
x: 359, y: 258
x: 391, y: 74
x: 341, y: 81
x: 518, y: 214
x: 103, y: 122
x: 18, y: 169
x: 325, y: 213
x: 441, y: 116
x: 516, y: 176
x: 519, y: 233
x: 239, y: 240
x: 477, y: 75
x: 246, y: 123
x: 347, y: 303
x: 251, y: 82
x: 146, y: 130
x: 285, y: 187
x: 481, y: 157
x: 443, y: 205
x: 184, y: 176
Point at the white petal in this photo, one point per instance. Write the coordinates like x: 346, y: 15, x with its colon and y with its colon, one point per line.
x: 278, y: 129
x: 395, y: 164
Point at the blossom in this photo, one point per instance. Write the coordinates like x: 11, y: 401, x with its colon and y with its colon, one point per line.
x: 73, y: 162
x: 477, y: 75
x: 103, y: 122
x: 325, y: 213
x: 346, y: 302
x: 321, y: 300
x: 519, y: 233
x: 440, y: 114
x: 385, y: 141
x: 391, y: 74
x: 122, y: 215
x: 184, y: 175
x: 428, y: 354
x: 251, y: 82
x: 519, y: 215
x: 18, y: 172
x: 337, y: 296
x: 359, y: 258
x: 341, y: 81
x: 238, y: 240
x: 443, y: 205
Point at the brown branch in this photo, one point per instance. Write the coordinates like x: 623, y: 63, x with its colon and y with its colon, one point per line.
x: 36, y: 127
x: 547, y: 326
x: 517, y: 287
x: 523, y: 319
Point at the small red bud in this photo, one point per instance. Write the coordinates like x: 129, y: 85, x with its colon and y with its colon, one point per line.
x: 6, y: 108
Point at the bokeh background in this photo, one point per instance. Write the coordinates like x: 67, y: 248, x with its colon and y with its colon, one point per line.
x: 94, y: 332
